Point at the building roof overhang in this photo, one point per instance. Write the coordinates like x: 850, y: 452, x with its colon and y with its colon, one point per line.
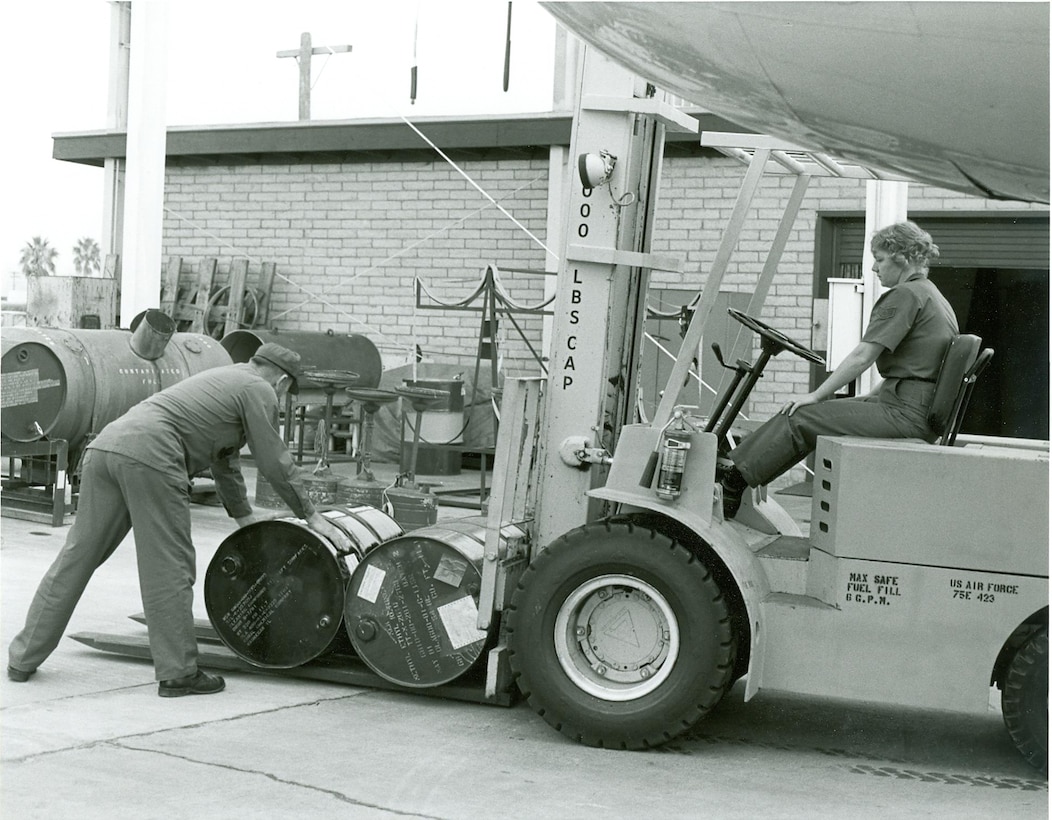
x: 332, y: 139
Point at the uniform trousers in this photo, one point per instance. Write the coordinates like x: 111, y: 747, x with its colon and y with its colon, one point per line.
x: 119, y: 494
x: 899, y: 409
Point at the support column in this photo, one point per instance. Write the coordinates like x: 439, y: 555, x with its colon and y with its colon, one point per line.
x: 886, y: 204
x: 116, y: 120
x: 144, y: 177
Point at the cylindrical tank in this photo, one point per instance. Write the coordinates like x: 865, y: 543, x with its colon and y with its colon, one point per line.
x: 275, y: 590
x: 320, y: 351
x: 441, y: 423
x: 412, y: 604
x: 66, y: 384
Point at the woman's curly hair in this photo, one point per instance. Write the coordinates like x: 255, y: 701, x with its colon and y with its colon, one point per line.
x: 906, y: 243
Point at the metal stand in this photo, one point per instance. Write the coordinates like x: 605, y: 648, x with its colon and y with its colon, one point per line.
x: 313, y: 382
x: 46, y: 497
x: 496, y: 302
x: 323, y: 487
x: 371, y: 400
x: 420, y: 398
x: 329, y: 381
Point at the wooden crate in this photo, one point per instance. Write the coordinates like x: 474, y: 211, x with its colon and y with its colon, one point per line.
x: 71, y: 301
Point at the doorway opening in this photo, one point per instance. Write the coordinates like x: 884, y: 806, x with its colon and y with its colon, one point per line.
x: 1009, y: 310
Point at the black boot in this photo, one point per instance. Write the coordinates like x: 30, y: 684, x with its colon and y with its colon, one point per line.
x: 734, y: 486
x: 200, y: 684
x: 19, y: 675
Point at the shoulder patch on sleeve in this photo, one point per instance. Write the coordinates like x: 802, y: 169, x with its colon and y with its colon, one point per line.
x: 882, y: 312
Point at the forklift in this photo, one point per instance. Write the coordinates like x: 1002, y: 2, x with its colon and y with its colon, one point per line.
x: 636, y: 605
x: 604, y: 583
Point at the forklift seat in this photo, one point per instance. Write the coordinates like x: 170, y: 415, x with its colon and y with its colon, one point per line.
x: 960, y: 368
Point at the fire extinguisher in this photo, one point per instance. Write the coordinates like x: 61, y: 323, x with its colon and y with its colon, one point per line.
x: 672, y: 456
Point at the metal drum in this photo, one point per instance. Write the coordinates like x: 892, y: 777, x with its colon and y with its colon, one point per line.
x: 327, y: 489
x: 361, y: 490
x: 324, y: 489
x: 412, y: 604
x: 65, y: 384
x: 318, y: 351
x: 275, y: 590
x: 413, y: 505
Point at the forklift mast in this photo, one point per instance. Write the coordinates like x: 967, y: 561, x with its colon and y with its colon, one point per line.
x: 604, y: 272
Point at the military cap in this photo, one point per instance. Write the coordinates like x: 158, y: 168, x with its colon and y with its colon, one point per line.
x: 287, y: 360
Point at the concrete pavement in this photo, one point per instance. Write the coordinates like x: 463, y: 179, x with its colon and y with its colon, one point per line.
x: 88, y: 737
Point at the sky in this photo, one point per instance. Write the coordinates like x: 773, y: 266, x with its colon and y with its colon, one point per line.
x: 223, y: 68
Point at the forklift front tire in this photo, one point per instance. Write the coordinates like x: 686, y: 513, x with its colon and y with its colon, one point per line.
x: 620, y: 637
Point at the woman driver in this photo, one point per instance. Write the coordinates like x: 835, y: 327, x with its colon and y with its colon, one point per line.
x: 909, y: 329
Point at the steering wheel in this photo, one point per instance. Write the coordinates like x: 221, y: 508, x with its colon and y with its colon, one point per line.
x: 767, y: 332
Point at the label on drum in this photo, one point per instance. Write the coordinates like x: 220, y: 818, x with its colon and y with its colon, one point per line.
x: 460, y: 618
x: 23, y: 387
x: 371, y: 583
x: 450, y: 570
x: 251, y: 615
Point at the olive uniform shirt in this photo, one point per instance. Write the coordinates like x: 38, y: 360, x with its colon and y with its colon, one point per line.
x: 202, y: 423
x: 914, y: 324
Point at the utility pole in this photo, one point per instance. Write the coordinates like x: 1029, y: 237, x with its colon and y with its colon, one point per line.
x: 303, y: 54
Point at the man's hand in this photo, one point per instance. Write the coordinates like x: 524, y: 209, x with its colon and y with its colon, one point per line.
x: 259, y: 517
x: 321, y: 525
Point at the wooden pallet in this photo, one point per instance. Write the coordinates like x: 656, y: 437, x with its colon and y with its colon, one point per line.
x: 202, y: 305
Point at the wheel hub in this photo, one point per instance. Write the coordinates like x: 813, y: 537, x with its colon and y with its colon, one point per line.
x: 622, y: 634
x: 616, y: 637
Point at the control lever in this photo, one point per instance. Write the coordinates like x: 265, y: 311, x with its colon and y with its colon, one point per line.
x: 741, y: 367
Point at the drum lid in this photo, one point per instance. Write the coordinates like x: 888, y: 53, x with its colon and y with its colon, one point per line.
x: 275, y: 593
x: 412, y: 609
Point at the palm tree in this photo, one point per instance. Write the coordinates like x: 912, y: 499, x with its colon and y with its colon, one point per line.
x: 86, y: 256
x: 38, y: 258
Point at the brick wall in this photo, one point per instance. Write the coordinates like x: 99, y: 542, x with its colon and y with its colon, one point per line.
x: 697, y: 196
x: 350, y: 237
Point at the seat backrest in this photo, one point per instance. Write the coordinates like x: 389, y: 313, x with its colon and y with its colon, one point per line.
x: 950, y: 385
x: 970, y: 378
